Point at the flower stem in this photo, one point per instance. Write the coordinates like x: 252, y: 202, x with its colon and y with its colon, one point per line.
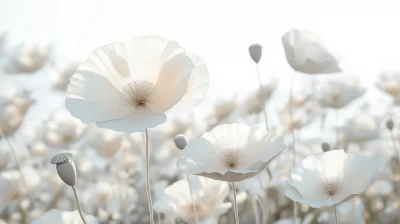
x: 255, y: 210
x: 191, y: 195
x: 337, y: 129
x: 262, y: 95
x: 394, y: 145
x: 334, y: 208
x: 147, y: 179
x: 3, y: 136
x: 79, y: 206
x: 293, y: 139
x: 235, y: 203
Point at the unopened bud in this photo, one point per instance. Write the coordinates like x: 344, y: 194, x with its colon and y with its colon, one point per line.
x: 181, y: 141
x: 325, y: 147
x: 65, y: 167
x: 389, y: 124
x: 255, y: 51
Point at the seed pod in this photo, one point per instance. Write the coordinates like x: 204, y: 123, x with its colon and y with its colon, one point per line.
x: 181, y: 141
x: 65, y: 167
x: 255, y: 51
x: 389, y: 124
x: 325, y: 147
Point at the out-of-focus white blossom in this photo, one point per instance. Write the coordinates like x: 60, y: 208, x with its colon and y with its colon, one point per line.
x: 27, y: 58
x: 63, y: 217
x: 389, y: 82
x: 361, y: 128
x: 61, y: 74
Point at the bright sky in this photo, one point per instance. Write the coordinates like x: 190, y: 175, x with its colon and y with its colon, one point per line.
x: 365, y: 34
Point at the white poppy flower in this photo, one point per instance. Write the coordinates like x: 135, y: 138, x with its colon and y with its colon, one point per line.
x: 230, y: 152
x: 390, y: 83
x: 361, y: 128
x: 60, y: 75
x: 13, y: 188
x: 306, y: 53
x: 63, y: 217
x: 255, y: 102
x: 131, y: 86
x: 330, y: 178
x: 62, y: 129
x: 105, y: 142
x: 208, y: 198
x: 337, y: 92
x: 28, y: 58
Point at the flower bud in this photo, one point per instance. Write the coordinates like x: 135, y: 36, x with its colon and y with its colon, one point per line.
x: 389, y: 124
x: 65, y: 167
x: 181, y: 141
x: 325, y: 147
x: 255, y: 51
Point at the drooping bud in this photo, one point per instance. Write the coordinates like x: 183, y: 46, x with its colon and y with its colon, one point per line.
x: 255, y: 51
x: 325, y: 147
x: 389, y: 124
x: 65, y: 167
x: 181, y: 141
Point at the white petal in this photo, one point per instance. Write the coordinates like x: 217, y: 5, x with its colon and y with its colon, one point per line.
x: 359, y: 173
x: 148, y: 54
x: 136, y: 122
x: 308, y: 183
x: 91, y: 98
x: 172, y: 82
x: 196, y: 88
x: 292, y: 193
x: 110, y: 61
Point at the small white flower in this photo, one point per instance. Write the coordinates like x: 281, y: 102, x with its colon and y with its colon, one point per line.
x: 62, y: 129
x: 361, y: 128
x: 389, y: 82
x: 63, y: 217
x: 132, y: 86
x: 60, y: 75
x: 338, y: 92
x: 28, y: 58
x: 306, y: 53
x: 330, y: 178
x: 231, y: 152
x: 208, y: 198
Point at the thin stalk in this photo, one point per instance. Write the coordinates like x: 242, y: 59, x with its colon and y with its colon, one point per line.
x: 79, y: 206
x: 337, y: 129
x: 255, y: 210
x: 147, y: 179
x: 394, y: 145
x: 334, y: 208
x: 3, y: 136
x: 235, y: 203
x: 293, y: 139
x: 158, y: 218
x: 191, y: 196
x: 262, y: 196
x: 262, y: 95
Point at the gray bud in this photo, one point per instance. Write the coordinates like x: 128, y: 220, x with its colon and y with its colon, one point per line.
x: 255, y: 51
x: 181, y: 141
x: 67, y: 172
x: 325, y: 147
x: 389, y: 124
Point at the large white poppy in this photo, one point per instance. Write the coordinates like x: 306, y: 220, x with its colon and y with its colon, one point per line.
x: 330, y: 178
x: 230, y: 152
x: 306, y: 53
x: 131, y: 86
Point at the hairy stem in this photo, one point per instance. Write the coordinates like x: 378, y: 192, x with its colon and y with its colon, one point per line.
x: 235, y: 206
x: 147, y: 179
x: 262, y: 95
x: 79, y: 206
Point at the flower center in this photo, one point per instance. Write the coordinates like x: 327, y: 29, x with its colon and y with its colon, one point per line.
x: 230, y: 158
x: 331, y: 185
x: 140, y: 94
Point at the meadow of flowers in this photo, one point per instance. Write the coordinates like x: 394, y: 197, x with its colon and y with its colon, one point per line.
x: 128, y: 146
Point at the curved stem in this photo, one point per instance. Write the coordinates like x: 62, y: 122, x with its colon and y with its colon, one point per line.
x: 191, y: 196
x: 334, y: 208
x: 3, y: 136
x: 262, y: 95
x: 235, y: 203
x: 147, y: 179
x: 265, y: 219
x: 293, y: 139
x: 79, y: 206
